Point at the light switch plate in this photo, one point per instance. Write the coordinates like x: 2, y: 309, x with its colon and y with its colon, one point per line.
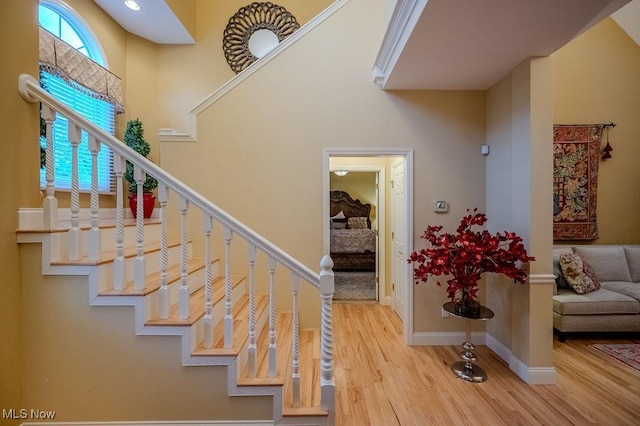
x: 440, y: 206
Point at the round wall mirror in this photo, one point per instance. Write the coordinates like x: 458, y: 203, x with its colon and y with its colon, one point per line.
x: 254, y: 31
x: 262, y: 42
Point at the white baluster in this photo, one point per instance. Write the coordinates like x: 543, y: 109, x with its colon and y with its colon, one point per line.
x: 295, y: 348
x: 163, y: 293
x: 75, y: 233
x: 183, y: 293
x: 119, y: 166
x: 95, y: 241
x: 252, y: 362
x: 272, y: 318
x: 228, y: 316
x: 327, y: 382
x: 50, y: 204
x: 207, y: 225
x: 140, y: 264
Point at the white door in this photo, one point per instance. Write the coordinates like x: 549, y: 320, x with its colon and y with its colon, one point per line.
x: 398, y: 244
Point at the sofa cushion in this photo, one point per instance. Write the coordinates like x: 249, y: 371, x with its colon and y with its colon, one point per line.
x: 597, y: 302
x: 633, y: 260
x: 608, y: 262
x: 628, y: 289
x: 578, y: 273
x: 561, y: 282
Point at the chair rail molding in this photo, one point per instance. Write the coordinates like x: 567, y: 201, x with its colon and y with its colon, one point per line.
x: 172, y: 135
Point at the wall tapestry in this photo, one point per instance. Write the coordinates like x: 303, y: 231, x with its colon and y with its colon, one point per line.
x: 576, y: 155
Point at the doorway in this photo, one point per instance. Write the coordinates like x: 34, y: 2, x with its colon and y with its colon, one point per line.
x: 394, y: 206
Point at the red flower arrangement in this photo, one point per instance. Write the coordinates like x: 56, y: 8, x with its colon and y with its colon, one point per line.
x: 467, y: 255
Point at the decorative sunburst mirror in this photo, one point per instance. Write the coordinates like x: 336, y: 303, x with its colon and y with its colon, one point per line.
x: 254, y: 31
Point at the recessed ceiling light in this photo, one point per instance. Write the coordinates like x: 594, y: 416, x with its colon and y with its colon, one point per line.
x: 131, y: 4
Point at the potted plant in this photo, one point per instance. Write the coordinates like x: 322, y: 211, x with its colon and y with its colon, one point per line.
x: 134, y: 138
x: 465, y: 256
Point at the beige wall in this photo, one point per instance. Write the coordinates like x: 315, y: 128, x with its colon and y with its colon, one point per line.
x: 518, y: 180
x: 262, y: 144
x: 187, y: 74
x: 19, y: 184
x: 596, y: 81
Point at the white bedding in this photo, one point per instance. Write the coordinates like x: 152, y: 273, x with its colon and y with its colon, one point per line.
x: 352, y: 240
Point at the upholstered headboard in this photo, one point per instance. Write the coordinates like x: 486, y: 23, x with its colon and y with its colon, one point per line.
x: 341, y: 201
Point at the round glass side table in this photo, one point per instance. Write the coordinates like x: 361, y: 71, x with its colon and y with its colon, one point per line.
x: 467, y: 369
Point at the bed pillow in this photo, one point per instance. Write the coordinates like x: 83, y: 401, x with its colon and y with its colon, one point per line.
x: 339, y: 221
x: 357, y: 223
x: 578, y: 273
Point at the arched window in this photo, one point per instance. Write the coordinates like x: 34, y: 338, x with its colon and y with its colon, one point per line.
x: 57, y: 18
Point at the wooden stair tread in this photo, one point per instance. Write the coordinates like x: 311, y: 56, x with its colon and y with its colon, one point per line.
x: 196, y: 306
x: 110, y: 255
x: 240, y: 313
x: 153, y: 281
x: 309, y: 367
x: 304, y: 411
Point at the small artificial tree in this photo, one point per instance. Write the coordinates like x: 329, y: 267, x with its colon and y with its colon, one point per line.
x: 134, y: 138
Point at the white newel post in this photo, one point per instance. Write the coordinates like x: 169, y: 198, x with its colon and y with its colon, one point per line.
x: 183, y: 292
x: 119, y: 165
x: 252, y: 362
x: 272, y: 318
x: 163, y: 292
x: 228, y: 315
x: 50, y: 203
x: 327, y: 382
x: 295, y: 347
x: 207, y: 225
x: 140, y: 265
x: 75, y: 233
x: 95, y: 242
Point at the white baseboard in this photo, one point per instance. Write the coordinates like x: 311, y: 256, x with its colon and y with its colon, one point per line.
x: 501, y: 350
x: 532, y: 375
x: 446, y: 339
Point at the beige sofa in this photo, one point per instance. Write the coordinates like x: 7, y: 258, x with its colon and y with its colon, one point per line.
x: 615, y: 307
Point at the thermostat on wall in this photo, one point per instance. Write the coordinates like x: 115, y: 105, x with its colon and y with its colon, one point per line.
x: 440, y: 206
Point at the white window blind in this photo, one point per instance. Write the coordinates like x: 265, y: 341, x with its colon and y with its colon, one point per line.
x: 99, y: 112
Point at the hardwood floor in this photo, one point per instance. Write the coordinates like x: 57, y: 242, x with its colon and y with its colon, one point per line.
x: 381, y: 381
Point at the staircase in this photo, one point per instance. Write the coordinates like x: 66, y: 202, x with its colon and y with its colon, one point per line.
x: 221, y: 318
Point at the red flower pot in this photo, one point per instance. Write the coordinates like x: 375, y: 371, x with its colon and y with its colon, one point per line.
x: 148, y: 201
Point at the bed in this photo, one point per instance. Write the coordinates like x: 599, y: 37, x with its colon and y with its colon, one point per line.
x: 352, y: 242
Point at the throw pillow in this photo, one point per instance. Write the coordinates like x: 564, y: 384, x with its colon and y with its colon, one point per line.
x: 561, y: 281
x: 579, y: 273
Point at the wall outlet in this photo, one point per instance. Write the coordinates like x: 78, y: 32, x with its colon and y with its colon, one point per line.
x: 445, y: 314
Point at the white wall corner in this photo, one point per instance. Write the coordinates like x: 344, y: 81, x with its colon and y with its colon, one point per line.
x: 532, y: 375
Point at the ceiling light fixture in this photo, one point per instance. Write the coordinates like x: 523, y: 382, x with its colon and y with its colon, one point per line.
x: 132, y: 4
x: 341, y: 172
